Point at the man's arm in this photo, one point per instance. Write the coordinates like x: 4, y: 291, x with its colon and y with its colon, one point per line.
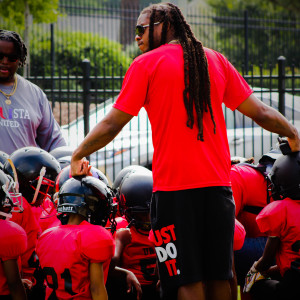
x: 270, y: 119
x: 103, y: 133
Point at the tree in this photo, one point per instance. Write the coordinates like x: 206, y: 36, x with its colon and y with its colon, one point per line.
x: 273, y: 30
x: 23, y: 12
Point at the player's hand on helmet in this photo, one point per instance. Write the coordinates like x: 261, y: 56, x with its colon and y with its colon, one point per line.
x: 124, y: 236
x: 252, y: 276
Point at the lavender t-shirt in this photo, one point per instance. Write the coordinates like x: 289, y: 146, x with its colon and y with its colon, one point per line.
x: 28, y: 120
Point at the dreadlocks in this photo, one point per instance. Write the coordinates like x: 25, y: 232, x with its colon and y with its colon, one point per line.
x: 11, y: 36
x: 196, y: 94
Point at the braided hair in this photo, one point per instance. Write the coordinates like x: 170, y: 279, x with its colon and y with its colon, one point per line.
x: 196, y: 94
x: 11, y: 36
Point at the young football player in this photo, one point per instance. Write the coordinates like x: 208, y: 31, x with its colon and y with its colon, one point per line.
x: 36, y: 171
x: 250, y: 187
x: 134, y: 251
x: 280, y: 221
x: 75, y: 256
x: 13, y: 242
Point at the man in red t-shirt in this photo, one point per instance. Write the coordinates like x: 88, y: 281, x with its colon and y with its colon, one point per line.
x: 182, y: 87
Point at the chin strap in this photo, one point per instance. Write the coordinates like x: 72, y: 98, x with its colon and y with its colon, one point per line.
x: 42, y: 174
x: 16, y: 185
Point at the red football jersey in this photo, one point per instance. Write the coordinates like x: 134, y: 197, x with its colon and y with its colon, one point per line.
x: 140, y: 258
x: 13, y: 242
x: 121, y: 222
x: 28, y: 222
x: 281, y: 219
x: 239, y: 235
x: 249, y: 188
x: 65, y: 253
x: 48, y: 216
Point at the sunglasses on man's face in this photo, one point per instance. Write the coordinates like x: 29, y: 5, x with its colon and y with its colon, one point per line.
x: 140, y: 29
x: 10, y: 57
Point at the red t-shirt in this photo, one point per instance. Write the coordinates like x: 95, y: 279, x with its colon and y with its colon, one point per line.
x: 281, y: 219
x: 13, y: 242
x: 249, y: 188
x: 155, y: 80
x: 139, y: 257
x: 65, y: 253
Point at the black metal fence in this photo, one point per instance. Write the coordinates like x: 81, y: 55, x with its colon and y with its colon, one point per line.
x: 81, y: 104
x: 80, y: 61
x: 103, y: 32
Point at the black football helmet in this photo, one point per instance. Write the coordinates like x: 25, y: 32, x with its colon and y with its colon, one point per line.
x: 65, y: 174
x: 122, y: 174
x: 285, y: 177
x: 61, y: 152
x: 64, y: 161
x: 36, y: 171
x: 3, y: 159
x: 6, y: 203
x: 135, y: 198
x: 266, y: 162
x: 86, y: 196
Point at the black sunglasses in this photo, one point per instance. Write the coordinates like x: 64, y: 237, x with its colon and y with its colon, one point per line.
x: 140, y: 29
x: 10, y: 57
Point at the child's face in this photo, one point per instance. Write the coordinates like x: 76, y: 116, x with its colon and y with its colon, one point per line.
x: 142, y: 220
x: 141, y: 216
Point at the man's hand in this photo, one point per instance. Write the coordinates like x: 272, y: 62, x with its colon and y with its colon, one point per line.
x: 80, y: 167
x: 294, y: 143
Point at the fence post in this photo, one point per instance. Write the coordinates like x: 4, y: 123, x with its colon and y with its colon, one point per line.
x: 86, y: 85
x: 281, y: 84
x: 52, y: 63
x: 246, y: 37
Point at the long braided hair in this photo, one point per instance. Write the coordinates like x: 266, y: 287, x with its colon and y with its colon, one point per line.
x: 11, y: 36
x: 196, y: 94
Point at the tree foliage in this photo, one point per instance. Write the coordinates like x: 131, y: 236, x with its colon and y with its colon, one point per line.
x: 272, y: 30
x: 106, y: 56
x: 42, y: 11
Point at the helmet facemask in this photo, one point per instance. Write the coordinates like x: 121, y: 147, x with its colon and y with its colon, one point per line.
x: 14, y: 200
x: 43, y: 188
x: 139, y: 218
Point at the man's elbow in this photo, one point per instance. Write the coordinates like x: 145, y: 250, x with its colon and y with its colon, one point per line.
x: 265, y: 114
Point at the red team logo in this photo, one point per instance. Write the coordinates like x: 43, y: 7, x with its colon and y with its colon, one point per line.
x: 165, y: 249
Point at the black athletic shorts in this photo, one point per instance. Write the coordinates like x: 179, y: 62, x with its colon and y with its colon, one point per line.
x: 193, y: 232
